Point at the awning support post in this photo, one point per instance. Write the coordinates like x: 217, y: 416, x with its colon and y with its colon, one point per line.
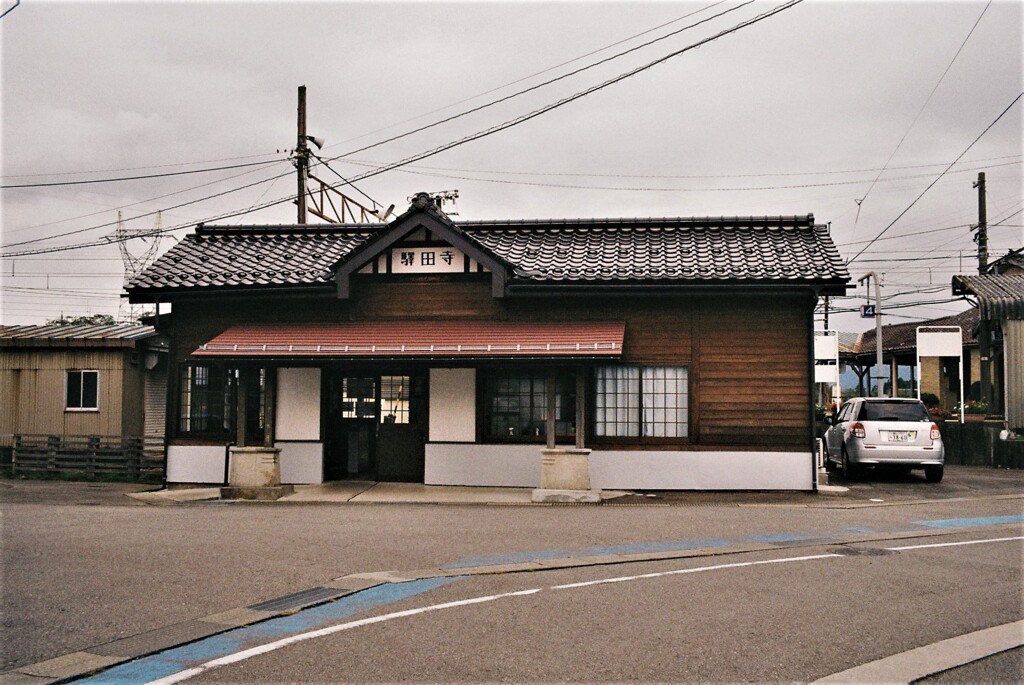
x: 581, y: 405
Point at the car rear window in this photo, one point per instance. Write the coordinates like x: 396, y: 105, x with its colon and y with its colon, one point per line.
x: 893, y: 411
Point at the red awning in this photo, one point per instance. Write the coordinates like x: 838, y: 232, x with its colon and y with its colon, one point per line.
x: 419, y: 339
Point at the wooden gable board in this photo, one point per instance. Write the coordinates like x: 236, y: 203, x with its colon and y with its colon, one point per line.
x: 439, y: 226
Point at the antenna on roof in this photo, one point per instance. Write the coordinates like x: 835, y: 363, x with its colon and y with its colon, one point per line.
x: 327, y: 198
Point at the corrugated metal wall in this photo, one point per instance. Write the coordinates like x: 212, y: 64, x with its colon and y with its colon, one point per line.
x: 32, y: 386
x: 1013, y: 345
x: 156, y: 400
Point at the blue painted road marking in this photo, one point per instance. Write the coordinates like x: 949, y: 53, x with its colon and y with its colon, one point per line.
x: 188, y: 656
x: 967, y: 523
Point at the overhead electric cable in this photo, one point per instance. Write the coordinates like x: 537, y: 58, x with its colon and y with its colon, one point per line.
x: 137, y: 168
x: 539, y: 85
x: 133, y: 204
x: 576, y: 96
x: 918, y: 116
x: 929, y: 186
x: 476, y: 136
x: 136, y: 178
x: 140, y: 216
x: 530, y: 76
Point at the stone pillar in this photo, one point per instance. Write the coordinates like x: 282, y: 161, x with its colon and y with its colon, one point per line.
x: 565, y: 476
x: 255, y: 473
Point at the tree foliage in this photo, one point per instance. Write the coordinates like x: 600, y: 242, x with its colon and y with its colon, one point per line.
x: 85, y: 320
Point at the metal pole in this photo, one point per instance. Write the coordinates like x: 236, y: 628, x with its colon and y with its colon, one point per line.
x: 984, y: 336
x: 301, y: 156
x: 878, y: 329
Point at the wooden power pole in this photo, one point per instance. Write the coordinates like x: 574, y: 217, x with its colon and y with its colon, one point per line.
x: 302, y: 157
x: 984, y: 335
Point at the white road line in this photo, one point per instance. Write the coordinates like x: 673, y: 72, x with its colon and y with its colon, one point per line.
x: 953, y: 544
x: 623, y: 579
x: 284, y: 642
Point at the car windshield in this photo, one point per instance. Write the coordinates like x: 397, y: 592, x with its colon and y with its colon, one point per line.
x: 894, y: 411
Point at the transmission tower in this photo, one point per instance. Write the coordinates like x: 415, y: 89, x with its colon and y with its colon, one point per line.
x: 135, y: 263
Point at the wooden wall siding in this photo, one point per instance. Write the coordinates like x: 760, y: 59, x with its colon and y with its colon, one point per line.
x: 426, y: 297
x: 754, y: 372
x: 748, y: 353
x: 39, y: 378
x: 658, y: 332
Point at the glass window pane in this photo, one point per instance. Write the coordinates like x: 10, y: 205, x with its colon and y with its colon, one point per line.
x: 90, y: 389
x: 74, y: 393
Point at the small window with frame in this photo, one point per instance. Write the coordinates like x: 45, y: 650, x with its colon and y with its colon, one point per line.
x: 82, y: 391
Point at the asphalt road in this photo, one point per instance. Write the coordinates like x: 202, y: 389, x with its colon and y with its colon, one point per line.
x: 84, y: 565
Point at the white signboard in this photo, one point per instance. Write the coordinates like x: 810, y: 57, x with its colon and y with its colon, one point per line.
x: 941, y: 341
x: 440, y: 259
x: 826, y: 345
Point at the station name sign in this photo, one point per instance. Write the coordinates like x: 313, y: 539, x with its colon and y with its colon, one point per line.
x: 441, y: 259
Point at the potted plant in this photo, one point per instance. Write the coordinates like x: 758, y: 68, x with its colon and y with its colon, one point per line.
x: 973, y: 410
x: 939, y: 414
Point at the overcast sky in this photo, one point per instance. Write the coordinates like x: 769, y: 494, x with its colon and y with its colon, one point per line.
x: 795, y: 114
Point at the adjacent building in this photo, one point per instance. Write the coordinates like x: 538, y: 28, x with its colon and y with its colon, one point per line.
x: 678, y: 350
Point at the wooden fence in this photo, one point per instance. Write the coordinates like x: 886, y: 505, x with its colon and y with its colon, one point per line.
x: 140, y: 458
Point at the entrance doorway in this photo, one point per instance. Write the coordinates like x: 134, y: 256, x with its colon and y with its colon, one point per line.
x: 376, y: 427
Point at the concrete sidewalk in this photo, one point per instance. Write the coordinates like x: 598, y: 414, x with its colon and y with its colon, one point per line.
x: 369, y: 492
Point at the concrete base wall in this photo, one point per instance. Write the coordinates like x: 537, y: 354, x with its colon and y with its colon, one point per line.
x: 520, y: 466
x: 301, y: 462
x: 196, y: 463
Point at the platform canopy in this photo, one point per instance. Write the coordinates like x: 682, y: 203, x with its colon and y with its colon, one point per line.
x: 419, y: 339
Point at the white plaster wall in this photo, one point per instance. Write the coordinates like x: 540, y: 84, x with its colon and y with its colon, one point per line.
x: 301, y: 462
x: 298, y: 404
x: 452, y: 405
x: 519, y: 466
x: 196, y: 463
x: 516, y: 466
x: 627, y: 470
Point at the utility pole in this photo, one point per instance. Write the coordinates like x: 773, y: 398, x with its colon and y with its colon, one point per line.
x: 826, y: 312
x: 982, y: 224
x: 302, y: 157
x: 878, y: 331
x: 984, y: 336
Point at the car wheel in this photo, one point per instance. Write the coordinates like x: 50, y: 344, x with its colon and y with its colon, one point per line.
x: 829, y: 464
x: 849, y: 470
x: 933, y: 474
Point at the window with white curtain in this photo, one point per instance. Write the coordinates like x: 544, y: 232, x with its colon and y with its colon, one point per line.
x: 641, y: 402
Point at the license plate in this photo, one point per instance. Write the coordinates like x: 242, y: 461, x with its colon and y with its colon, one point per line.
x: 902, y: 436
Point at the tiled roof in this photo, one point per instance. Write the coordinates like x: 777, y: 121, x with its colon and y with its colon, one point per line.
x: 902, y: 337
x: 253, y: 256
x: 681, y: 250
x: 999, y: 296
x: 57, y: 335
x: 421, y: 339
x: 700, y: 249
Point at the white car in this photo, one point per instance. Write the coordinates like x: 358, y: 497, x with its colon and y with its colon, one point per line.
x: 884, y: 431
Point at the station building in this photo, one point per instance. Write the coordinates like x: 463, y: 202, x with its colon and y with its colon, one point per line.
x: 677, y: 350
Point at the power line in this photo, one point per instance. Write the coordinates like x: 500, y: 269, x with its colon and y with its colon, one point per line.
x: 476, y: 136
x: 133, y: 204
x: 578, y: 174
x: 943, y: 173
x: 137, y: 178
x: 135, y: 168
x: 140, y: 216
x: 576, y: 96
x: 544, y: 83
x: 918, y: 116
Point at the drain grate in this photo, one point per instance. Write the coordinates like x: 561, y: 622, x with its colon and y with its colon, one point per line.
x: 863, y: 552
x: 299, y: 599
